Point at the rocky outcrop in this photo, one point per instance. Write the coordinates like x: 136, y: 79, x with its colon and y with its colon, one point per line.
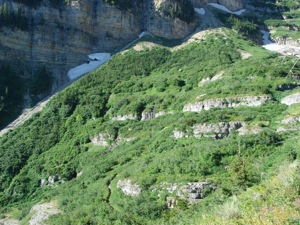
x: 212, y: 79
x: 212, y: 130
x: 148, y: 115
x: 246, y: 130
x: 171, y: 202
x: 179, y: 134
x: 152, y: 114
x: 60, y: 38
x: 291, y: 99
x: 124, y: 117
x: 287, y: 129
x: 193, y: 191
x: 51, y: 180
x: 101, y: 139
x: 196, y: 191
x: 8, y: 221
x: 217, y: 131
x: 226, y: 102
x: 232, y: 5
x: 42, y: 212
x: 128, y: 188
x: 285, y: 40
x: 291, y: 119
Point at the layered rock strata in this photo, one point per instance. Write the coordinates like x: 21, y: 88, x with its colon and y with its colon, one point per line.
x: 226, y: 102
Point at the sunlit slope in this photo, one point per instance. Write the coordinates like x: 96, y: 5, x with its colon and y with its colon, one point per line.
x: 207, y: 112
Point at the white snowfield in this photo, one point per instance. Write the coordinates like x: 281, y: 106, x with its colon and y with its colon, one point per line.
x: 200, y: 11
x: 96, y: 60
x: 142, y: 34
x: 266, y: 39
x: 223, y: 8
x: 282, y: 49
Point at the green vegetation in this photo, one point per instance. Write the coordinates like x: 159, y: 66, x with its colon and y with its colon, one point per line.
x: 284, y: 21
x: 246, y: 26
x: 57, y: 141
x: 255, y: 176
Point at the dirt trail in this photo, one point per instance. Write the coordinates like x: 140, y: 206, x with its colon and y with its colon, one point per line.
x: 109, y: 190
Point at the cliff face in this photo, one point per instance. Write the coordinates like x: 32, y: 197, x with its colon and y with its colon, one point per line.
x: 59, y: 38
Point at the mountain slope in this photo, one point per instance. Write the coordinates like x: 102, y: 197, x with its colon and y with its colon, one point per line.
x: 149, y: 122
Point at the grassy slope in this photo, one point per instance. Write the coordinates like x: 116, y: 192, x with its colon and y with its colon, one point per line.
x: 57, y: 140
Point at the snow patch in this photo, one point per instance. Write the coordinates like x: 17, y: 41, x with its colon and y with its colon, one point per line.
x: 288, y: 50
x: 265, y: 37
x: 223, y: 8
x: 97, y: 59
x: 200, y: 11
x: 282, y: 49
x: 142, y: 34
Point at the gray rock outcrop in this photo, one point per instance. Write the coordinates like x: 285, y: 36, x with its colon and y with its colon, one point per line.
x: 60, y: 38
x: 246, y: 130
x: 101, y: 139
x: 179, y: 134
x: 171, y: 202
x: 42, y: 212
x: 128, y: 188
x: 226, y: 102
x: 287, y: 129
x: 193, y: 191
x: 52, y: 179
x: 291, y: 119
x: 219, y: 130
x: 212, y: 130
x: 291, y: 99
x: 8, y: 221
x: 152, y: 114
x: 212, y: 79
x: 285, y: 40
x: 124, y: 117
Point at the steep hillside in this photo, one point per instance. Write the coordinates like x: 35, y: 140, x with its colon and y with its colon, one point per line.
x: 203, y: 130
x: 157, y: 136
x: 41, y: 40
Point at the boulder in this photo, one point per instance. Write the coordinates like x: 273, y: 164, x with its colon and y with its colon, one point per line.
x: 101, y: 139
x: 219, y: 130
x: 128, y: 188
x: 124, y: 117
x: 291, y: 99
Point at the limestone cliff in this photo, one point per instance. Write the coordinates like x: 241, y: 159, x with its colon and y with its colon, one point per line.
x: 60, y: 37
